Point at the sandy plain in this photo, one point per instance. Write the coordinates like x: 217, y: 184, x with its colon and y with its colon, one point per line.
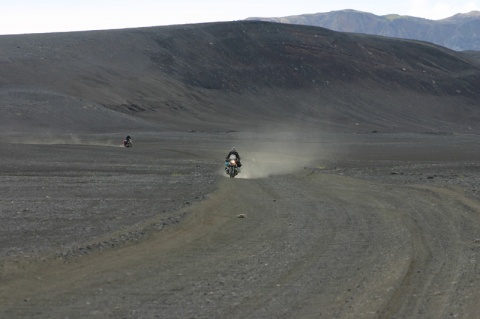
x: 339, y: 212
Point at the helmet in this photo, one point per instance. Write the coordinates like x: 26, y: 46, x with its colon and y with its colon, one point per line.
x: 234, y: 149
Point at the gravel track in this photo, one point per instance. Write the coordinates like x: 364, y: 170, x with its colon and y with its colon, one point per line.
x: 314, y: 243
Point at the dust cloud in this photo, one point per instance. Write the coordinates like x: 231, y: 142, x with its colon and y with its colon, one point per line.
x: 70, y: 139
x: 277, y: 153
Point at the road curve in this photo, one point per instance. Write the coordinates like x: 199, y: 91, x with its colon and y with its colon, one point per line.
x: 305, y: 245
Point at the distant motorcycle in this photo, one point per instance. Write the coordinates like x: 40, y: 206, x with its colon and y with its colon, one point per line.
x: 127, y: 143
x: 231, y: 166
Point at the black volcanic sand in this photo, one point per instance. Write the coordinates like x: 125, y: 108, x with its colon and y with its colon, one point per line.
x: 345, y: 207
x: 335, y: 225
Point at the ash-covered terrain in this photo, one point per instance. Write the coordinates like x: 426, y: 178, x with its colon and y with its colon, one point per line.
x: 358, y: 197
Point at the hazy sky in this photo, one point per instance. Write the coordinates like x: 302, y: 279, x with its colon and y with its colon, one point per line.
x: 40, y: 16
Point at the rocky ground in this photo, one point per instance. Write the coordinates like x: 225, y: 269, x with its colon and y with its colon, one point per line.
x: 347, y: 226
x: 358, y: 198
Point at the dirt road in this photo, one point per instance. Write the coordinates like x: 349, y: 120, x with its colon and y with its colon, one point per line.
x: 314, y: 243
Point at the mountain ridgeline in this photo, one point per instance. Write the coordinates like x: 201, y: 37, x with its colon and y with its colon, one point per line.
x: 245, y: 72
x: 459, y: 32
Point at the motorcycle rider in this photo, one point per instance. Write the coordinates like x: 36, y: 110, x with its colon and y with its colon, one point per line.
x: 234, y: 152
x: 128, y: 139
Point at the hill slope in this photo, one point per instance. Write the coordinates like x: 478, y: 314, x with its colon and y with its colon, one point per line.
x: 230, y: 74
x: 346, y: 225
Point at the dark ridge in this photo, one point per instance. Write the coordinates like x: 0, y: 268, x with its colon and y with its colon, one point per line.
x: 249, y: 73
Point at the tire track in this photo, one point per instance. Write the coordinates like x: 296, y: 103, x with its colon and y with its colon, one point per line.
x: 311, y: 246
x: 439, y: 256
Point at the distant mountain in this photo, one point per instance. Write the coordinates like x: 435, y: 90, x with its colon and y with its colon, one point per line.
x: 460, y: 32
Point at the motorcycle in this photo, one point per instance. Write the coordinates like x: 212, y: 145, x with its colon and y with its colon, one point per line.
x: 231, y: 166
x: 127, y: 143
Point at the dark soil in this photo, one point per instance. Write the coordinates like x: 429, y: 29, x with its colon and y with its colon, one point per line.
x: 358, y: 196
